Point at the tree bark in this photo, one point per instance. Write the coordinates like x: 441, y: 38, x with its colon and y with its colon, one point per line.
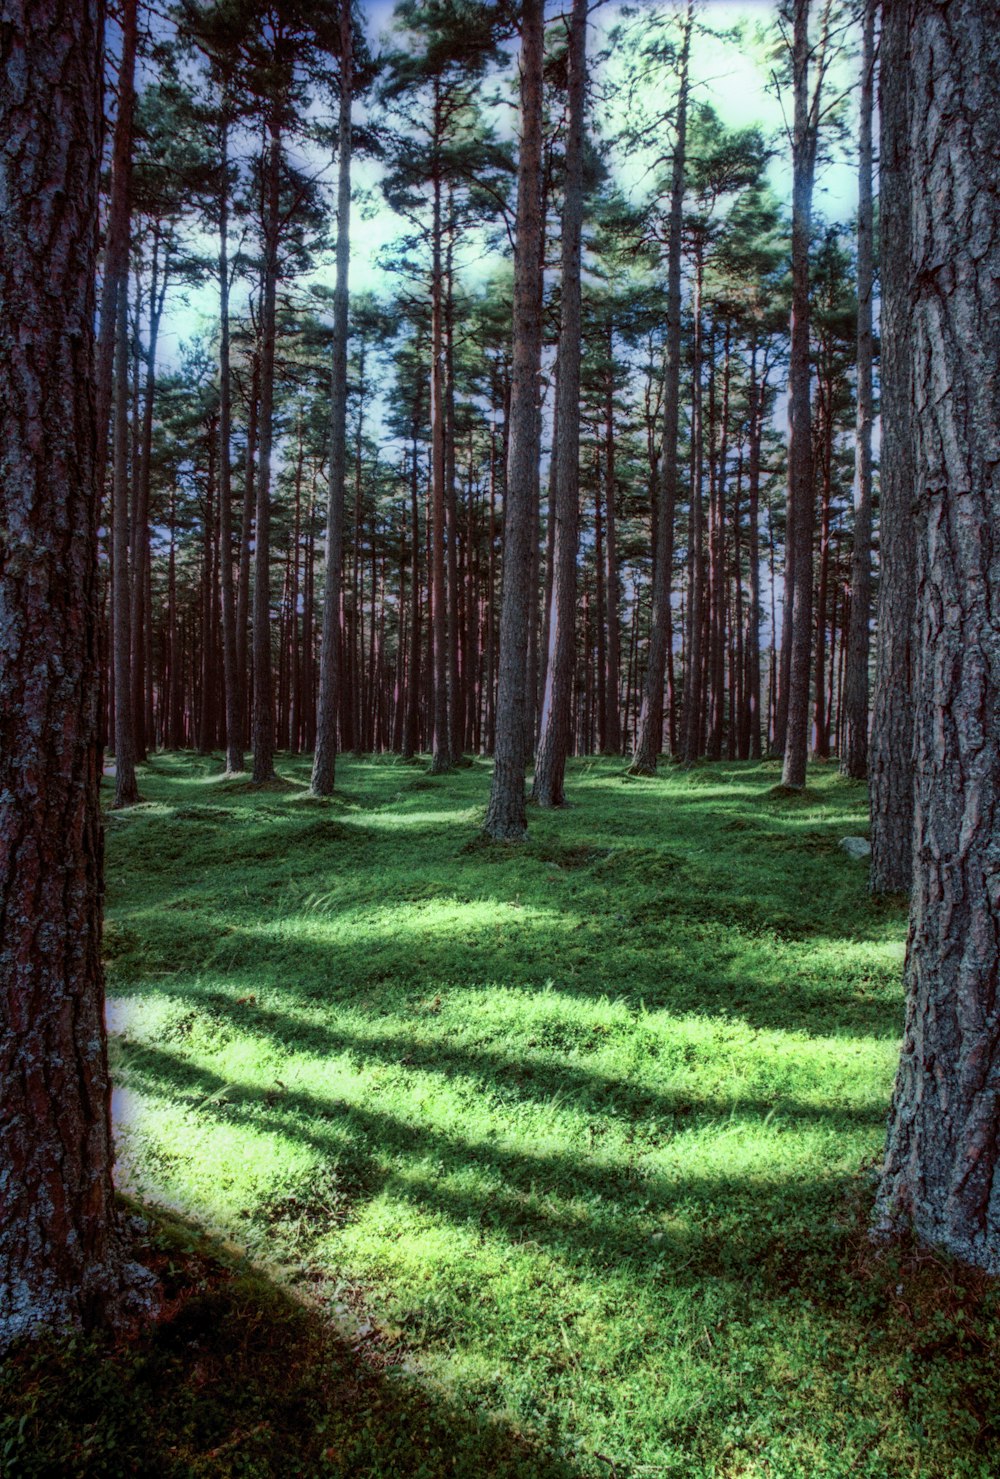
x: 891, y: 754
x: 854, y: 753
x: 61, y: 1248
x: 557, y: 704
x: 800, y: 470
x: 505, y: 817
x: 939, y: 1178
x: 232, y: 676
x: 650, y: 730
x: 263, y: 699
x: 325, y: 760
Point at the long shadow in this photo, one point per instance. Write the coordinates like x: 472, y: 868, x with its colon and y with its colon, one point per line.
x: 529, y: 1079
x: 610, y: 1237
x: 682, y: 975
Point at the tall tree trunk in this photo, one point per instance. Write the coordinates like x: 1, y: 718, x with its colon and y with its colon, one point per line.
x: 117, y: 233
x: 126, y: 789
x: 650, y: 729
x: 232, y: 676
x: 854, y: 754
x: 61, y: 1253
x: 141, y: 615
x: 263, y: 696
x: 753, y: 744
x: 440, y: 730
x: 325, y: 759
x: 800, y: 471
x: 821, y: 717
x: 891, y: 757
x: 557, y: 704
x: 939, y: 1178
x: 612, y: 714
x: 505, y: 816
x: 693, y: 689
x: 246, y: 529
x: 411, y: 728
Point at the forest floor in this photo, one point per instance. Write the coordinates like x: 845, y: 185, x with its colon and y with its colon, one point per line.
x: 539, y: 1161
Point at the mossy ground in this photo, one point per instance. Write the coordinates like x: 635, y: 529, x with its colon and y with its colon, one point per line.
x: 562, y: 1146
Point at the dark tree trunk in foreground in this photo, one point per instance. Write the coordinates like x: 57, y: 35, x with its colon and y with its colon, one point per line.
x: 940, y: 1172
x: 854, y: 755
x: 649, y: 737
x: 325, y: 760
x: 505, y: 816
x: 61, y: 1261
x: 891, y: 757
x: 557, y: 705
x: 800, y: 470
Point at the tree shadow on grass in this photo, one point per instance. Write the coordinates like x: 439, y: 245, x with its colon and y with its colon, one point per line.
x: 532, y: 1078
x: 597, y: 1213
x: 238, y: 1377
x: 671, y: 963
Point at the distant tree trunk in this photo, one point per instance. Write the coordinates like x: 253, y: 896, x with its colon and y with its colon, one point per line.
x: 612, y: 699
x: 650, y: 731
x: 246, y: 529
x: 693, y: 689
x: 411, y: 726
x: 126, y: 789
x: 61, y: 1254
x: 800, y: 471
x: 232, y: 675
x: 821, y: 715
x: 940, y: 1172
x: 440, y: 730
x: 117, y: 233
x: 891, y: 759
x: 141, y: 615
x: 325, y: 760
x: 752, y: 707
x: 557, y: 704
x: 854, y: 754
x: 505, y: 816
x: 263, y: 699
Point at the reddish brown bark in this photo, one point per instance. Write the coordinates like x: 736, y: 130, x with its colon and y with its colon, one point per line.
x: 61, y: 1259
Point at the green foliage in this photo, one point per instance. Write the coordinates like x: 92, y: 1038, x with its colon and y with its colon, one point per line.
x: 567, y: 1141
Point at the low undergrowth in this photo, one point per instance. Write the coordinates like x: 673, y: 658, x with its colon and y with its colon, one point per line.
x: 543, y: 1160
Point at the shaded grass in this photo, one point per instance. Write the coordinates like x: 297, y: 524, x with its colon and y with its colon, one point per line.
x: 575, y: 1130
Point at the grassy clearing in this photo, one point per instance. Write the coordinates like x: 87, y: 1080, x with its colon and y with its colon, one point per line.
x: 565, y: 1143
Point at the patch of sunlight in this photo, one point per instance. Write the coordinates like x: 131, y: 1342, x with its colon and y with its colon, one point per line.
x: 187, y: 1158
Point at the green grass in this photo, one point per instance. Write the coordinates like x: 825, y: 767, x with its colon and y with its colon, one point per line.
x: 565, y: 1144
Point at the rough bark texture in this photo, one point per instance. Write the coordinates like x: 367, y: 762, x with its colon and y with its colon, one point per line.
x: 650, y: 731
x: 505, y: 816
x: 940, y: 1173
x: 557, y: 704
x: 854, y: 755
x: 61, y: 1261
x: 891, y: 753
x: 800, y: 469
x: 325, y: 761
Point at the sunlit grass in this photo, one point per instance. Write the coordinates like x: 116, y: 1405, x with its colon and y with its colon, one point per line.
x: 580, y: 1125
